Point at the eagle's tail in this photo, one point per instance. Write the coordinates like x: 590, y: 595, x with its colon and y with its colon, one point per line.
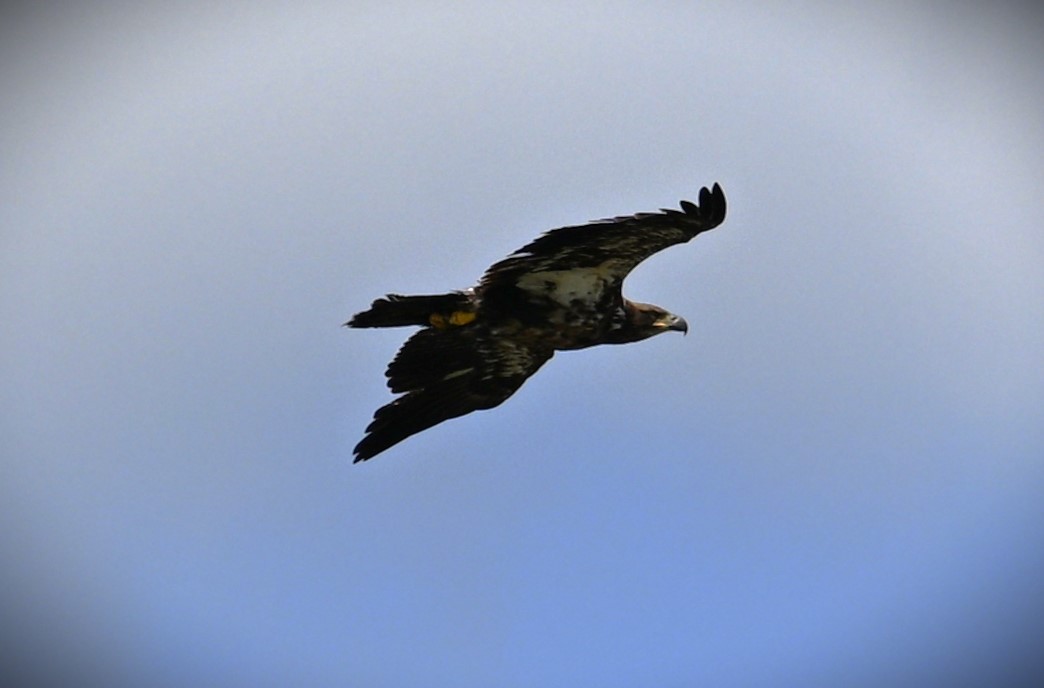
x: 395, y: 310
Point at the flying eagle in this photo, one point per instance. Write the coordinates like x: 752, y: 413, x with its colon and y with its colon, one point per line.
x: 561, y: 291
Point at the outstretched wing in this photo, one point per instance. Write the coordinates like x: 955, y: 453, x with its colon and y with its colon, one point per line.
x: 444, y: 374
x: 608, y: 248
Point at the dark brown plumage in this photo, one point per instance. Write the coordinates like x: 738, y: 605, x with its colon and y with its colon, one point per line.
x: 561, y: 291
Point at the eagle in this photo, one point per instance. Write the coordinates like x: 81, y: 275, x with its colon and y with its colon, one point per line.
x: 562, y: 291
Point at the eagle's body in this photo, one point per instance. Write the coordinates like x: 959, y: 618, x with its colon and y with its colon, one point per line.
x: 561, y: 291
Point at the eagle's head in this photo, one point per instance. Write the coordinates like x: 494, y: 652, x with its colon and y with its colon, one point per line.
x: 643, y: 320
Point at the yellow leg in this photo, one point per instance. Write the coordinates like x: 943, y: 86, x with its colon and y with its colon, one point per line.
x: 456, y: 318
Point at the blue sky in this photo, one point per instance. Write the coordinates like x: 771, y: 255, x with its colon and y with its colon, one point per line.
x: 834, y: 479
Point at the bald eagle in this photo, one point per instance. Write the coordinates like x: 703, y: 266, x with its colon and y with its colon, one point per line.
x: 561, y: 291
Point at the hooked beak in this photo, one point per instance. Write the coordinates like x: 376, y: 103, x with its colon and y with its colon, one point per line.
x: 676, y: 323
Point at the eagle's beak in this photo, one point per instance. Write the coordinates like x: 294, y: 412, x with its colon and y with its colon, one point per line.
x: 677, y: 323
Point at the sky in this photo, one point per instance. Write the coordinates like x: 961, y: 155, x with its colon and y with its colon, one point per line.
x: 834, y: 479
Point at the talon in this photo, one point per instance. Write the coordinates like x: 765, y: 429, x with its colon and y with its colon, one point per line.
x: 461, y: 317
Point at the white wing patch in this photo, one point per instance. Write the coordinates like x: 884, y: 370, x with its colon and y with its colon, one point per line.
x: 567, y: 286
x: 456, y: 373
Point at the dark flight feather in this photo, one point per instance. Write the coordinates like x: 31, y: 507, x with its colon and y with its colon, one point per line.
x: 445, y: 374
x: 623, y: 242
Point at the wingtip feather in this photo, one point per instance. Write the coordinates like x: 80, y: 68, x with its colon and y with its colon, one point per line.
x: 712, y: 206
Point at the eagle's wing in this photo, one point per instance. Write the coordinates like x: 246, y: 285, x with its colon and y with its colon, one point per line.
x: 448, y: 373
x: 613, y: 246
